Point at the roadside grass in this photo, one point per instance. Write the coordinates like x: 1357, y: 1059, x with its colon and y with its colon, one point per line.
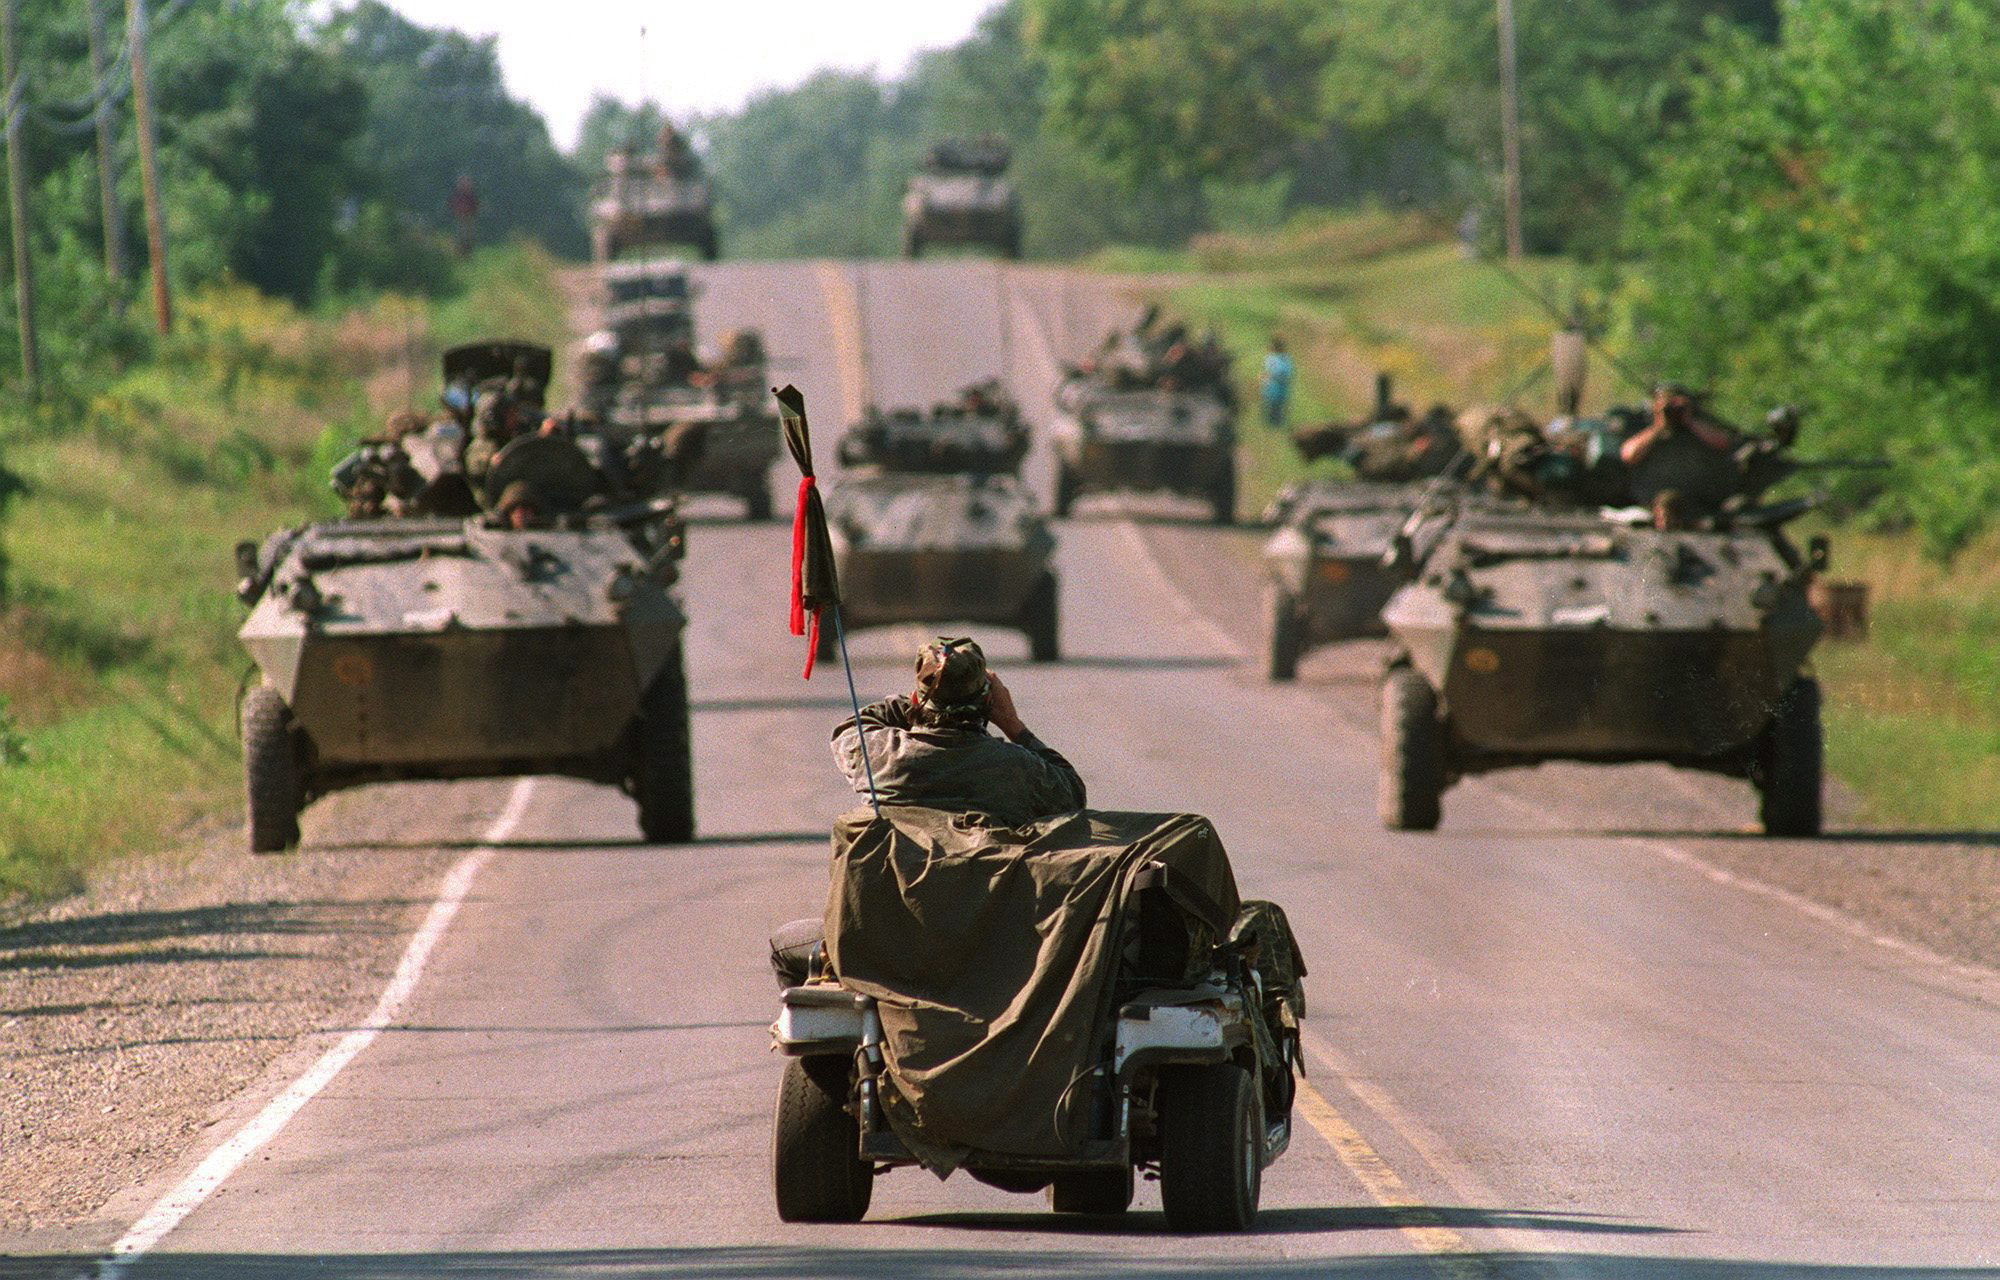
x: 1912, y: 713
x: 118, y: 660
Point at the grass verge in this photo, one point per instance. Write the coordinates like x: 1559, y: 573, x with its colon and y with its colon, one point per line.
x: 118, y: 657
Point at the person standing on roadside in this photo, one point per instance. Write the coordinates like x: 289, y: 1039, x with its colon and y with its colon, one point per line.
x: 1277, y: 384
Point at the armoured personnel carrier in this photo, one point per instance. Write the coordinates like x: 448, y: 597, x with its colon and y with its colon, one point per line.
x: 540, y: 635
x: 930, y: 523
x: 1151, y: 438
x: 653, y: 201
x: 717, y: 422
x: 1329, y: 567
x: 961, y: 198
x: 1530, y: 636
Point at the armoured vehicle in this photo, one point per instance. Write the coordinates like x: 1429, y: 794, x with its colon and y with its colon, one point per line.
x: 1531, y: 635
x: 960, y: 198
x: 1148, y: 438
x: 1106, y: 1007
x: 724, y: 412
x: 654, y: 201
x: 543, y: 638
x: 929, y: 523
x: 1329, y: 567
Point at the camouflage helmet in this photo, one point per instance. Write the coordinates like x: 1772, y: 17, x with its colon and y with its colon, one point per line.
x: 952, y: 674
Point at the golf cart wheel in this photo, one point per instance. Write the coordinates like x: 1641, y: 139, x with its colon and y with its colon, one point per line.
x: 757, y: 503
x: 663, y: 774
x: 1066, y: 490
x: 816, y: 1165
x: 1222, y: 494
x: 1794, y: 753
x: 1410, y: 795
x: 1211, y: 1147
x: 1099, y: 1191
x: 1281, y: 610
x: 271, y: 787
x: 1040, y: 619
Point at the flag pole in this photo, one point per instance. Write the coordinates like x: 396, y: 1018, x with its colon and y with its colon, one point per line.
x: 854, y: 697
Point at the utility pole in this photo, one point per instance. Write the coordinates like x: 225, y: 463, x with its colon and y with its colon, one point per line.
x: 107, y: 186
x: 1510, y: 131
x: 13, y: 101
x: 149, y: 173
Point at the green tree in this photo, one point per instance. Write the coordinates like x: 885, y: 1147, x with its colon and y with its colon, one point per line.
x: 1821, y: 232
x: 1183, y: 89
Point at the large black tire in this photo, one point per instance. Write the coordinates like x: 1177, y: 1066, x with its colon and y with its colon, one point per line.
x: 711, y: 246
x: 1100, y: 1191
x: 1222, y: 494
x: 271, y: 784
x: 663, y: 767
x: 1211, y: 1147
x: 1411, y: 791
x: 1287, y: 632
x: 1793, y: 762
x: 1066, y: 490
x: 1041, y: 619
x: 816, y: 1165
x: 757, y: 502
x: 913, y: 245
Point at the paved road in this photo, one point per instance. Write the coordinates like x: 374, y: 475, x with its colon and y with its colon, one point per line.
x: 1532, y: 1052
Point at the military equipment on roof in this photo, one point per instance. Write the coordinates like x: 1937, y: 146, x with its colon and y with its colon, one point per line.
x: 1329, y: 568
x: 1531, y: 636
x: 982, y: 431
x: 653, y: 201
x: 1147, y: 439
x: 961, y: 198
x: 424, y: 648
x: 1054, y: 1006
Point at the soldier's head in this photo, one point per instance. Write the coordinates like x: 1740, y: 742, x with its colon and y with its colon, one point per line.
x: 1783, y: 423
x: 1671, y: 510
x: 520, y: 506
x: 1673, y: 404
x: 951, y: 684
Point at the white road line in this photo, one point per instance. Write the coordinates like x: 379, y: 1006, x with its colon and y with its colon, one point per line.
x: 174, y: 1207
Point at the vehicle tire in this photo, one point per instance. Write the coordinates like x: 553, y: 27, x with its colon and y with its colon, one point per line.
x: 1041, y: 618
x: 1010, y: 247
x: 1211, y: 1147
x: 913, y: 245
x: 816, y: 1165
x: 1793, y: 760
x: 1098, y: 1191
x: 1412, y: 784
x: 1287, y: 632
x: 663, y: 772
x: 711, y: 247
x: 1222, y: 495
x: 757, y: 503
x: 271, y: 784
x: 1066, y: 490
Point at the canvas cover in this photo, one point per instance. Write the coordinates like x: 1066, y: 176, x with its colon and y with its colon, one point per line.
x: 994, y: 954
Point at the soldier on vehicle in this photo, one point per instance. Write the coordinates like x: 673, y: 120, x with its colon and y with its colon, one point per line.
x: 1682, y: 449
x: 520, y: 506
x: 932, y: 749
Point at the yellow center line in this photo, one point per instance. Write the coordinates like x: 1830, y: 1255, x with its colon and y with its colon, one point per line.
x: 843, y: 313
x: 1448, y: 1252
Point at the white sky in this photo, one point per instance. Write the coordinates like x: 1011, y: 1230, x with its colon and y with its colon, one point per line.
x: 700, y: 55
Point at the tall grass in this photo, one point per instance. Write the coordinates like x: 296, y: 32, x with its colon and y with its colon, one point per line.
x: 118, y: 661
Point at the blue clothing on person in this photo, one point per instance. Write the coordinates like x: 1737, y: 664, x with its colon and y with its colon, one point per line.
x: 1278, y: 371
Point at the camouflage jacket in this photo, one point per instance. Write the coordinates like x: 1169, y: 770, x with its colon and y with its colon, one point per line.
x: 956, y: 769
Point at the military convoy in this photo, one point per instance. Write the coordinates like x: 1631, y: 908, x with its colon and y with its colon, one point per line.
x: 653, y: 201
x: 962, y: 198
x: 538, y: 634
x: 930, y: 523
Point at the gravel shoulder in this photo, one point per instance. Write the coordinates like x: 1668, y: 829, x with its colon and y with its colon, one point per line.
x: 133, y: 1014
x: 1934, y: 889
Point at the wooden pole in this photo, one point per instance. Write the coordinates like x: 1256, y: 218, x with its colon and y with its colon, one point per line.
x: 1510, y: 130
x: 107, y: 185
x: 149, y: 174
x: 13, y: 101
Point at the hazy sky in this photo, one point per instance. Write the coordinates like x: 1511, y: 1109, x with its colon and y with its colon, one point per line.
x: 700, y: 55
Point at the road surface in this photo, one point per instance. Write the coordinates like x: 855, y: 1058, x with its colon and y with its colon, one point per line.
x: 1531, y: 1051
